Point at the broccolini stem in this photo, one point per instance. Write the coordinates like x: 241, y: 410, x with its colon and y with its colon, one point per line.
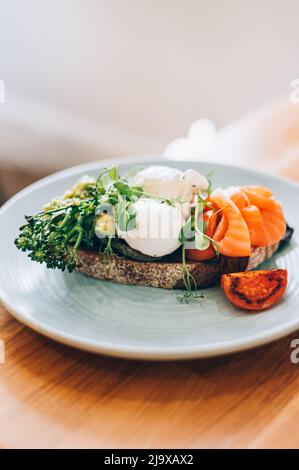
x: 79, y: 239
x: 65, y: 220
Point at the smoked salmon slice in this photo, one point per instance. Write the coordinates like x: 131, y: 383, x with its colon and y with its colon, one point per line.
x: 256, y: 226
x: 236, y: 240
x: 259, y: 196
x: 220, y: 229
x: 239, y: 198
x: 247, y: 212
x: 266, y: 222
x: 274, y: 223
x: 262, y: 213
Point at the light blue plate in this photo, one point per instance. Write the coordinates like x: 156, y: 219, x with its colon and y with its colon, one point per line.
x: 139, y: 322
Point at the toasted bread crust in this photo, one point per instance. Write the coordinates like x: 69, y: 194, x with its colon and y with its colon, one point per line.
x: 166, y: 275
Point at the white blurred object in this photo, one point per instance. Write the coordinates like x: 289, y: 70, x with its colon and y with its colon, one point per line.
x: 125, y: 77
x: 197, y: 146
x: 288, y: 163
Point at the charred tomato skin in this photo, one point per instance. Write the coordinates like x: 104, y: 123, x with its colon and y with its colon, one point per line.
x: 255, y: 290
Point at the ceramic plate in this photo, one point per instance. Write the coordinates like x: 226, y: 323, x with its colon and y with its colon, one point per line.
x: 140, y: 322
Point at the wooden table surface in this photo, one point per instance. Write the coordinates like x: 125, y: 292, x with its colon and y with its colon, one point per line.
x: 55, y: 396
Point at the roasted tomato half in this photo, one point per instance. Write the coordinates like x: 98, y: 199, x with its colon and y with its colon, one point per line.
x: 255, y: 290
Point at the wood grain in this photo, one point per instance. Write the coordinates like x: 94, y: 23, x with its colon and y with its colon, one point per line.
x: 55, y: 396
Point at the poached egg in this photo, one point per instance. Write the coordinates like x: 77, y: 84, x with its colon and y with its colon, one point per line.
x: 158, y: 224
x: 171, y: 183
x: 157, y: 228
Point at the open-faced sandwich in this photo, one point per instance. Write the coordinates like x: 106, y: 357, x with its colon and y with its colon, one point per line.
x: 164, y: 228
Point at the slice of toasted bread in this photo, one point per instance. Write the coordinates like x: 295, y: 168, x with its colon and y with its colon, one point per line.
x: 166, y: 275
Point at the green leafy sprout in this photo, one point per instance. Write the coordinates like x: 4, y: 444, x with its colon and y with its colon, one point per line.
x: 193, y: 232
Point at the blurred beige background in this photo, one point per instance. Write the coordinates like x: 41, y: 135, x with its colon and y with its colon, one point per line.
x: 89, y: 79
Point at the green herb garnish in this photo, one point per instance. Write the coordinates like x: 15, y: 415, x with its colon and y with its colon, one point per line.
x: 189, y: 283
x: 54, y: 235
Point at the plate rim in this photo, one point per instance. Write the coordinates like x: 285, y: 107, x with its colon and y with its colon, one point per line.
x: 142, y: 352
